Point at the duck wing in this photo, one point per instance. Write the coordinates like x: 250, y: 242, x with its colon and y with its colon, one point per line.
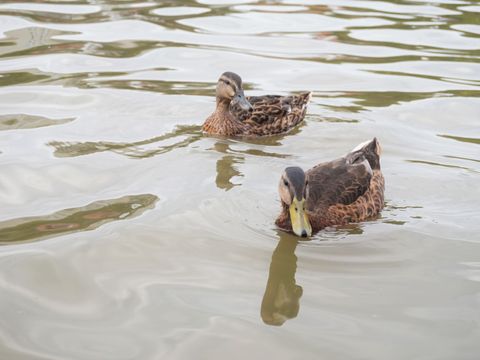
x: 265, y: 108
x: 344, y: 180
x: 337, y: 182
x: 273, y: 114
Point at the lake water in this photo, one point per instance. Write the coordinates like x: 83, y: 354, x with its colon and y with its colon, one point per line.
x: 127, y: 234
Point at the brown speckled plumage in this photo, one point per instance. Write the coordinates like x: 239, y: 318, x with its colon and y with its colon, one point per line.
x: 349, y: 189
x: 268, y: 115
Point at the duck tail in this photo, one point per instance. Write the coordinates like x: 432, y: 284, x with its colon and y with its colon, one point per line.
x: 302, y: 100
x: 295, y: 108
x: 371, y: 150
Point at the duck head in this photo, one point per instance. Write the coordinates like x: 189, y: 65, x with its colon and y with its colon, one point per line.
x: 293, y: 192
x: 230, y: 91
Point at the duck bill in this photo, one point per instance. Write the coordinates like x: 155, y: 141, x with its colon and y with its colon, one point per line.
x: 241, y: 101
x: 300, y: 223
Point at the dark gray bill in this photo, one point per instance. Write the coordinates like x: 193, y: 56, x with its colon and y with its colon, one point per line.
x: 239, y: 99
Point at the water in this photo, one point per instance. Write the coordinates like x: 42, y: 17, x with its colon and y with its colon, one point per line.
x: 127, y: 234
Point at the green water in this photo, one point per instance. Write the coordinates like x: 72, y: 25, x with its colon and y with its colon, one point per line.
x: 127, y: 234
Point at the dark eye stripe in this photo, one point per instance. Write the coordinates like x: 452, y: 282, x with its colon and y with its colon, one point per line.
x: 228, y: 83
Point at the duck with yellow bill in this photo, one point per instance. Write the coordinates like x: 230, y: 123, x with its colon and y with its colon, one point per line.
x: 338, y: 192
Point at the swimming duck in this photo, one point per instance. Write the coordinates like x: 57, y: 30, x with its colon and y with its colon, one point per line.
x: 349, y: 189
x: 253, y: 116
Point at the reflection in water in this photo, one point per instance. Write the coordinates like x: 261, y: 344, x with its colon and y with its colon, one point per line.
x: 24, y: 121
x: 226, y: 169
x: 160, y: 86
x: 186, y: 135
x: 420, y: 72
x: 395, y: 222
x: 461, y: 158
x: 281, y: 300
x: 34, y: 40
x: 462, y: 139
x: 400, y: 214
x: 441, y: 165
x: 77, y: 219
x: 35, y: 76
x: 362, y: 99
x: 226, y: 165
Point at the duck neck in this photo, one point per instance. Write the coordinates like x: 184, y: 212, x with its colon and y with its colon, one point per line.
x: 223, y: 111
x: 225, y: 121
x: 223, y: 105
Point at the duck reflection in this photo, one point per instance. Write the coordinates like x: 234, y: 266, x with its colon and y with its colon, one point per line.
x: 281, y: 300
x: 227, y: 165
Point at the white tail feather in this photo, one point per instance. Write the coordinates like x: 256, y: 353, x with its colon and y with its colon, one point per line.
x: 367, y: 166
x: 362, y: 145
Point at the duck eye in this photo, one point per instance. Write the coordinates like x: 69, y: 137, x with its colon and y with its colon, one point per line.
x: 227, y: 82
x: 285, y: 182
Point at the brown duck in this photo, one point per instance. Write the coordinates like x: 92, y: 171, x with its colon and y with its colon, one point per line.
x: 253, y: 116
x: 349, y: 189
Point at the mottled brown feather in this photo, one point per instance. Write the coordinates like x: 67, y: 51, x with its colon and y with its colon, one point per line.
x: 271, y: 115
x: 349, y: 189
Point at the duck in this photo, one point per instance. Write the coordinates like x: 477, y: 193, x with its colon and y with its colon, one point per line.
x: 349, y: 189
x: 254, y: 116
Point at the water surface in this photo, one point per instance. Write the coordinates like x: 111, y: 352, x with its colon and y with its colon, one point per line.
x: 127, y: 234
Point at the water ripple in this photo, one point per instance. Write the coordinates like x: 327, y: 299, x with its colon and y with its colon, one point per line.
x: 105, y: 99
x: 88, y: 217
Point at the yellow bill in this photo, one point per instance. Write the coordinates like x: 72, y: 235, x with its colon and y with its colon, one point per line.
x: 300, y: 224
